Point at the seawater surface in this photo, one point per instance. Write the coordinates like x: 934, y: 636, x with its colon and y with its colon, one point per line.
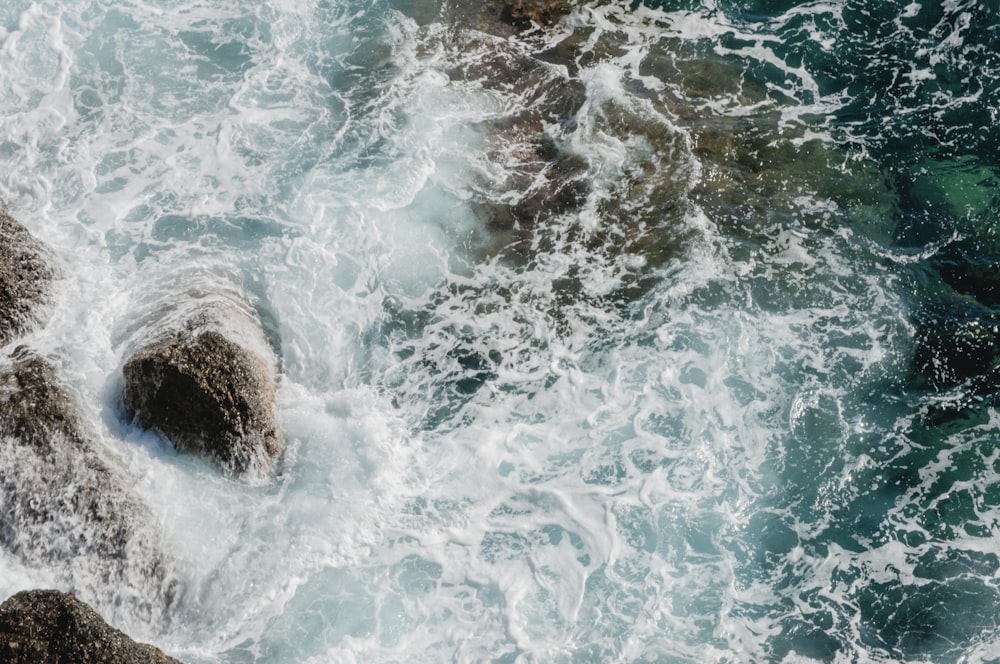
x: 662, y: 335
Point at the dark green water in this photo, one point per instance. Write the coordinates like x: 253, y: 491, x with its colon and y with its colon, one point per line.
x: 917, y: 90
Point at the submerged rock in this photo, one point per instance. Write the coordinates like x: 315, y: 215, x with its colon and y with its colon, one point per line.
x: 25, y: 276
x: 543, y: 191
x: 62, y: 506
x: 206, y: 392
x: 57, y: 628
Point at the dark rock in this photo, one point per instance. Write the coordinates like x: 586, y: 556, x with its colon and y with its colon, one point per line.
x: 532, y: 176
x: 206, y: 393
x: 522, y: 14
x: 507, y: 18
x: 57, y: 628
x: 25, y: 277
x: 62, y: 506
x: 542, y: 183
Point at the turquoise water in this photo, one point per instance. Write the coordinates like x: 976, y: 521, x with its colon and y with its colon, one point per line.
x: 665, y: 336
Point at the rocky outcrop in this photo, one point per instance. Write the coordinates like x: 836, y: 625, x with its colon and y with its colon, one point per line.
x: 530, y: 175
x: 205, y: 392
x: 540, y: 182
x: 539, y: 189
x: 523, y: 14
x: 62, y: 506
x: 57, y: 628
x: 506, y: 18
x: 25, y: 276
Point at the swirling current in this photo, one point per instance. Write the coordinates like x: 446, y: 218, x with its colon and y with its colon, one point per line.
x: 648, y: 331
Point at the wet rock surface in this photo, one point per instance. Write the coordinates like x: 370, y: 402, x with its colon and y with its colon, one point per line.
x: 530, y: 175
x: 63, y: 506
x: 57, y: 628
x: 511, y: 17
x: 25, y: 276
x: 534, y: 175
x: 207, y: 394
x: 523, y: 14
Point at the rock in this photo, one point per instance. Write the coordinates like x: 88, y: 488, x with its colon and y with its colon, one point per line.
x: 529, y: 176
x: 540, y: 183
x: 25, y: 277
x: 508, y: 17
x: 205, y: 392
x: 522, y: 14
x: 970, y: 273
x: 57, y: 628
x: 64, y: 507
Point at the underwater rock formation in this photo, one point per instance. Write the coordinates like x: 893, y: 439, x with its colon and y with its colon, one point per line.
x: 62, y: 506
x: 206, y: 392
x: 55, y: 627
x: 25, y: 276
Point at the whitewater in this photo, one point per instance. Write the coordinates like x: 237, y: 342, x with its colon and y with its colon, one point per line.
x: 615, y: 341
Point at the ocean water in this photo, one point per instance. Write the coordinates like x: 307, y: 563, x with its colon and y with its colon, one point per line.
x: 664, y: 335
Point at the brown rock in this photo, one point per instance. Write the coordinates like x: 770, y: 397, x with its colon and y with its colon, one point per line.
x: 207, y: 394
x: 62, y: 506
x: 25, y: 277
x: 56, y: 628
x: 507, y: 18
x: 521, y: 14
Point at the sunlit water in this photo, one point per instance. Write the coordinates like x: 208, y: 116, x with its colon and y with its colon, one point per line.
x: 681, y: 420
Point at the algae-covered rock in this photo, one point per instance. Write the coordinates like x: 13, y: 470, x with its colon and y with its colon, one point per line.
x: 56, y: 628
x: 64, y: 507
x: 25, y: 276
x: 205, y: 392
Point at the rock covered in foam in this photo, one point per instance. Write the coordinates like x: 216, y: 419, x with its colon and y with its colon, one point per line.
x: 51, y: 626
x: 542, y: 189
x: 25, y: 276
x: 62, y: 506
x: 207, y: 393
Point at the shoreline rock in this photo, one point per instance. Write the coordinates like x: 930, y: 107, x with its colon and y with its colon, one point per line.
x: 200, y: 386
x: 512, y: 17
x: 522, y: 14
x: 56, y: 627
x: 26, y: 274
x: 64, y: 507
